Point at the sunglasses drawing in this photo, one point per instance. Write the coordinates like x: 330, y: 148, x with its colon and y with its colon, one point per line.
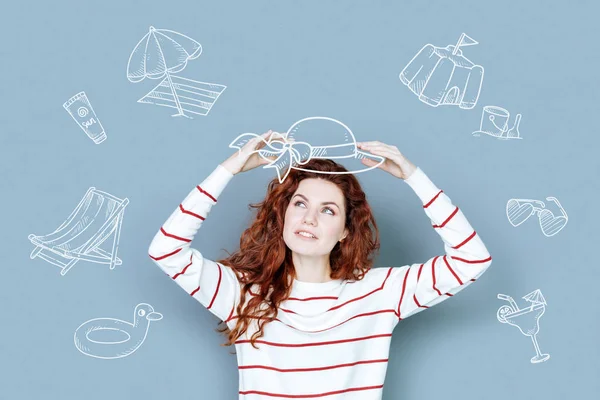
x: 519, y: 210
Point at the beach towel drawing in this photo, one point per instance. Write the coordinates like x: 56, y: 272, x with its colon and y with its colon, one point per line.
x: 80, y: 109
x: 526, y: 319
x: 444, y: 76
x: 519, y: 211
x: 162, y: 53
x: 494, y: 122
x: 111, y: 338
x: 97, y: 217
x: 313, y: 137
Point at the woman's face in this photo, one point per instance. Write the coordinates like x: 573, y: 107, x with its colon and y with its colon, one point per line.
x: 316, y: 207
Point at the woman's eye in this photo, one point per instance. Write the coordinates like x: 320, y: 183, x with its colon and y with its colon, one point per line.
x: 326, y: 208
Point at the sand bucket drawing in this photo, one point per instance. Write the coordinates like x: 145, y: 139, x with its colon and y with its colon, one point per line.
x: 494, y: 122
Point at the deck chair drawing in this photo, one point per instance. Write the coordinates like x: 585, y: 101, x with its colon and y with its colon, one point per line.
x: 97, y: 217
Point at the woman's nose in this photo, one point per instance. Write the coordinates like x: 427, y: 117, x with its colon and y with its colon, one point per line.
x: 309, y: 218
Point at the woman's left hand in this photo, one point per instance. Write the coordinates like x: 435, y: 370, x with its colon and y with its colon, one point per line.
x: 394, y: 162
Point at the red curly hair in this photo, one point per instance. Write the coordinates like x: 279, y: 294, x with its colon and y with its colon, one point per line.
x: 264, y: 259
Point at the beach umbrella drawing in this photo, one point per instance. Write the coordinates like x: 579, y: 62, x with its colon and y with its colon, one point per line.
x: 160, y: 54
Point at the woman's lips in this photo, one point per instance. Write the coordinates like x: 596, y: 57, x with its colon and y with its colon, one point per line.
x: 305, y: 237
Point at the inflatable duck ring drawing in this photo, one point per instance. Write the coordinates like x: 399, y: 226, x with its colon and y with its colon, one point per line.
x: 132, y: 335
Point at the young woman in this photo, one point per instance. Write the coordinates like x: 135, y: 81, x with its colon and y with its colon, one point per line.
x: 309, y: 316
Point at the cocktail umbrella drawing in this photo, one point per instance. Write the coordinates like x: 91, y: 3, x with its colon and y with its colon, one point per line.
x: 536, y: 297
x: 162, y: 53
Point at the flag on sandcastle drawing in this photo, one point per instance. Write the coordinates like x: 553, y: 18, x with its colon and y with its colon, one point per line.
x: 159, y: 55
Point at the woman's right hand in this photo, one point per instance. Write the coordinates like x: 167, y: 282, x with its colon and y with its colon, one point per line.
x: 244, y: 159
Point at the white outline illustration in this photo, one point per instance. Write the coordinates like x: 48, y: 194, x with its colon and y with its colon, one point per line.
x: 134, y: 334
x: 158, y: 55
x: 290, y: 150
x: 494, y: 122
x: 519, y: 210
x: 80, y: 109
x: 97, y: 217
x: 526, y: 319
x: 443, y: 76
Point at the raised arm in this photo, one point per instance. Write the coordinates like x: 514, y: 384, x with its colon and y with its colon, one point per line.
x: 214, y: 285
x: 411, y: 289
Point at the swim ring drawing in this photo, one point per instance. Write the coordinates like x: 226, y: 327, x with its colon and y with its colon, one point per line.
x: 132, y: 335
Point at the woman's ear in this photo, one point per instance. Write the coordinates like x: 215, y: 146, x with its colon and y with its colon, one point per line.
x: 344, y: 235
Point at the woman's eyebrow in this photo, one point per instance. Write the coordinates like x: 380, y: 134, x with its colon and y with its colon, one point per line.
x: 323, y: 203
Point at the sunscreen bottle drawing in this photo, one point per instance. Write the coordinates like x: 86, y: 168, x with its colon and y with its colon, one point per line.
x: 81, y: 110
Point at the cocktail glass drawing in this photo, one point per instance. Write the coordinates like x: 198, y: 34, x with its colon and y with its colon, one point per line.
x: 526, y: 319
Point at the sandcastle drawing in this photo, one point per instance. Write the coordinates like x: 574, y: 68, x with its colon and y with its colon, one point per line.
x: 444, y: 76
x: 97, y: 217
x: 160, y: 54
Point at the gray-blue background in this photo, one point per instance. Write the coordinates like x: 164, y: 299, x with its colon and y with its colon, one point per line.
x: 283, y: 61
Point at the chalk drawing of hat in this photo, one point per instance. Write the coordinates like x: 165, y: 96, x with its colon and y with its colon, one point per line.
x: 308, y: 138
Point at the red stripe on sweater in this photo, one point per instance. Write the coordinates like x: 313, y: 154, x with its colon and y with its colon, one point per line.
x: 229, y: 318
x: 313, y: 298
x: 432, y: 200
x: 367, y: 314
x: 328, y: 343
x: 415, y: 295
x: 195, y: 291
x: 310, y: 396
x: 458, y: 246
x: 173, y: 236
x: 402, y: 293
x: 217, y: 289
x: 417, y: 302
x: 447, y: 219
x: 183, y: 210
x: 206, y: 193
x: 472, y: 261
x: 301, y: 298
x: 363, y: 296
x: 433, y: 274
x: 184, y: 269
x: 164, y: 256
x: 419, y: 274
x: 284, y: 370
x: 451, y: 270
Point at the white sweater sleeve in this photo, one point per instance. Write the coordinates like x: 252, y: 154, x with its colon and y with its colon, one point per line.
x: 413, y: 288
x: 214, y: 285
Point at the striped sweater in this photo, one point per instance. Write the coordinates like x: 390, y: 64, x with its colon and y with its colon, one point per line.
x: 330, y: 340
